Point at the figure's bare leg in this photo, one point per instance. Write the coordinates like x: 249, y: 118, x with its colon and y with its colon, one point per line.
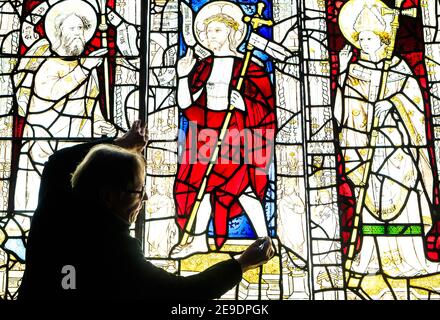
x: 203, y: 216
x: 199, y: 242
x: 254, y: 210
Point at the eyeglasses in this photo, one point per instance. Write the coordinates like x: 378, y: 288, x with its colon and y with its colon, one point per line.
x: 140, y: 192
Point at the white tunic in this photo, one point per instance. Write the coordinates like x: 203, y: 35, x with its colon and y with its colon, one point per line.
x: 63, y: 104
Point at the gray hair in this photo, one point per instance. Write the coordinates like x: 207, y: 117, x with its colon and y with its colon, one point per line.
x: 106, y: 167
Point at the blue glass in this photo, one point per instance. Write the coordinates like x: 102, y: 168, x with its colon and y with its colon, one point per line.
x: 239, y: 228
x: 16, y: 247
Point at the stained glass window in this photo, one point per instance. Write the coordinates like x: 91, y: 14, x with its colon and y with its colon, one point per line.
x: 313, y: 122
x: 70, y: 73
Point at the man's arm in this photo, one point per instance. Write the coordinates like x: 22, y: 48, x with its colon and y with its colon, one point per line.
x: 57, y: 171
x: 143, y: 280
x: 209, y: 284
x: 55, y: 187
x: 152, y: 282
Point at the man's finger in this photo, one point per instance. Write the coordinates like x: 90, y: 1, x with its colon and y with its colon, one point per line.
x: 272, y: 254
x: 134, y: 126
x: 270, y: 247
x: 269, y: 252
x: 260, y: 243
x: 139, y: 127
x: 266, y: 244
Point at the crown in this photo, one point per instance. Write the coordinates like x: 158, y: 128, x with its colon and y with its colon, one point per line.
x: 224, y: 18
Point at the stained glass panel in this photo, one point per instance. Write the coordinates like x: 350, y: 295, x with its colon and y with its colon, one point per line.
x: 70, y: 72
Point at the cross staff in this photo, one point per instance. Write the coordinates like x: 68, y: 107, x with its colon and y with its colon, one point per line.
x: 103, y: 27
x: 396, y: 12
x: 254, y: 22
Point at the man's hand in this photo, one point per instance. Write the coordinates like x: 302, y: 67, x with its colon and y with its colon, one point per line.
x: 237, y: 100
x: 257, y: 254
x: 94, y: 60
x: 134, y: 139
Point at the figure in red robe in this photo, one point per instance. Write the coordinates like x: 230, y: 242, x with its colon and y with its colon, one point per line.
x: 239, y: 179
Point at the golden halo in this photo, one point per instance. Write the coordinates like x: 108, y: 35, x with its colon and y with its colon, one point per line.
x: 351, y: 11
x: 215, y: 7
x: 69, y: 7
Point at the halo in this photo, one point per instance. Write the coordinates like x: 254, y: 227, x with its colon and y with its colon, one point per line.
x: 349, y: 13
x: 68, y: 7
x: 213, y: 8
